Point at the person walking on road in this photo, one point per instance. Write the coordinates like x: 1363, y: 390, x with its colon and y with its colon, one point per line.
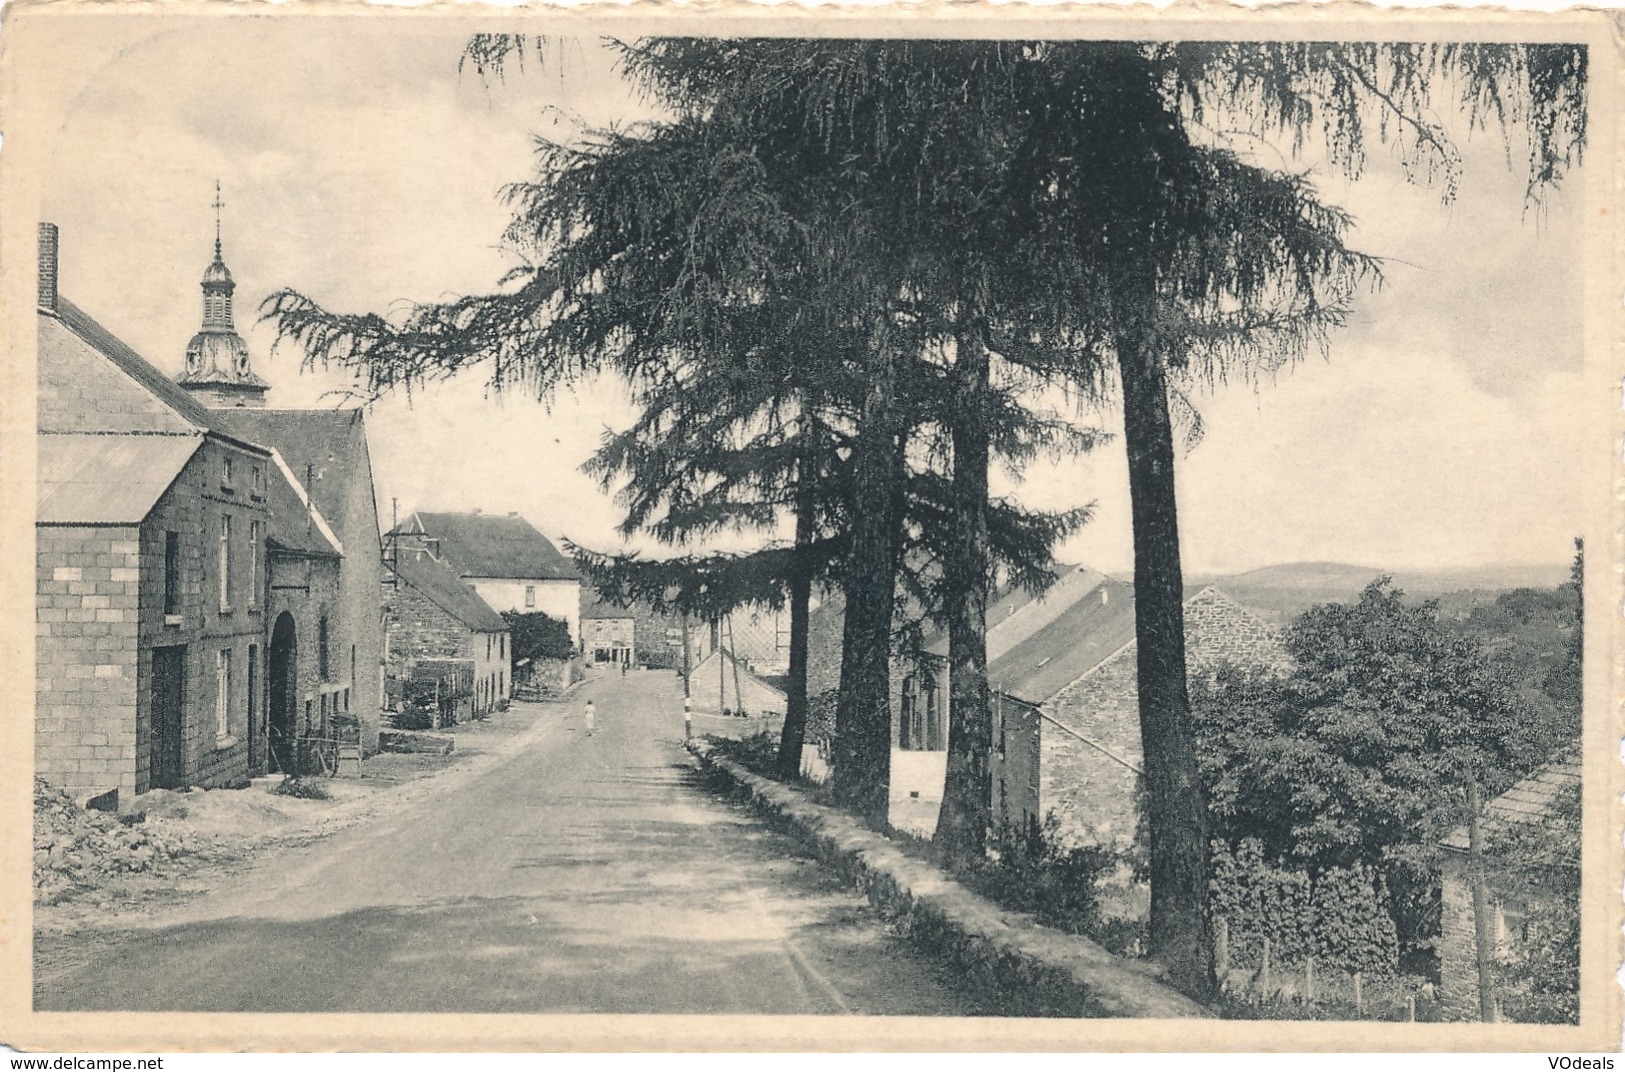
x: 591, y: 718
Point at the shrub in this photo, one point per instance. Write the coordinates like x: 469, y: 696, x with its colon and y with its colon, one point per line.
x: 298, y: 787
x: 1029, y: 868
x: 1340, y: 917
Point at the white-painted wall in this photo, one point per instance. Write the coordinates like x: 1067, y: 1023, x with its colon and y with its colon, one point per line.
x: 922, y: 773
x: 711, y: 688
x: 555, y: 598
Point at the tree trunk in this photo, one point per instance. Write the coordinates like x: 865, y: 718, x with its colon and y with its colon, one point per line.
x: 967, y: 795
x: 1178, y: 935
x: 794, y: 734
x: 862, y: 761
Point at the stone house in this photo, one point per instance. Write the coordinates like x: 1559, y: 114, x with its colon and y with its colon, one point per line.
x: 610, y: 640
x: 150, y: 555
x: 1534, y: 807
x: 637, y: 632
x: 437, y: 629
x: 1067, y: 721
x: 1061, y: 667
x: 720, y: 682
x: 322, y: 459
x: 504, y: 558
x: 324, y: 632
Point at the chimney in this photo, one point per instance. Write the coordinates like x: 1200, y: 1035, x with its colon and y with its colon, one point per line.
x: 47, y: 268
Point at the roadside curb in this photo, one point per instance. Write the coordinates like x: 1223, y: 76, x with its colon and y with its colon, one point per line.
x: 1024, y: 968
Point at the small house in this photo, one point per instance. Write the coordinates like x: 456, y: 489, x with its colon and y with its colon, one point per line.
x: 502, y: 557
x: 442, y: 644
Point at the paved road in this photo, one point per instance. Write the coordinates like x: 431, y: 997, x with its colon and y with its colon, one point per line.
x: 583, y: 874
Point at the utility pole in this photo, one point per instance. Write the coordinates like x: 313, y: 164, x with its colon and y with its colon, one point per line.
x: 688, y: 663
x: 1481, y: 909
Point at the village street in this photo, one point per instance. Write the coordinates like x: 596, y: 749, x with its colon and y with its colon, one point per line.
x: 583, y: 874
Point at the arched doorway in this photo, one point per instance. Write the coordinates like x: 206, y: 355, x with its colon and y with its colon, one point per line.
x: 283, y: 679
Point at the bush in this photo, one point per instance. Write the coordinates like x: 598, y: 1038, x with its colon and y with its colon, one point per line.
x: 1340, y: 917
x: 303, y: 790
x: 1030, y: 869
x: 758, y: 753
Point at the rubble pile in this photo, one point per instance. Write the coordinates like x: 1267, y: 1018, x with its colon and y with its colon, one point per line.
x: 77, y: 851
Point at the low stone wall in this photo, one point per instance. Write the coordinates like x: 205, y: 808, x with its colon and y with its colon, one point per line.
x: 1024, y: 969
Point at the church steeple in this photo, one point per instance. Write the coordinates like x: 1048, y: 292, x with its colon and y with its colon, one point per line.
x: 218, y: 366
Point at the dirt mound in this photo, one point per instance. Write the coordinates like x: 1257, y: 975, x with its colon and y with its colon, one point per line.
x: 77, y: 851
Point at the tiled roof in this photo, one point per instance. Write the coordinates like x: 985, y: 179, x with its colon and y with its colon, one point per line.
x: 1532, y: 801
x: 113, y: 479
x: 323, y: 448
x: 493, y: 545
x: 143, y: 372
x: 441, y: 585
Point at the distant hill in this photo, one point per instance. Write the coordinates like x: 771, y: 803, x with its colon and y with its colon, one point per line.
x: 1280, y: 593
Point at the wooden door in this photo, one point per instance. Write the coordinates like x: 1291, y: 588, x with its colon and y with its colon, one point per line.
x: 168, y: 756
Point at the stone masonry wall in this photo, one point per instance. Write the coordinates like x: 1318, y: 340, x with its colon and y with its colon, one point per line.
x: 1089, y: 776
x: 87, y: 585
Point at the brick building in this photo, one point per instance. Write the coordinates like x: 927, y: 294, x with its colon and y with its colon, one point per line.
x: 438, y: 630
x: 504, y: 558
x: 150, y: 554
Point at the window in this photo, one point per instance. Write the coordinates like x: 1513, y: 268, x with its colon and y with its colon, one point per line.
x: 172, y: 573
x: 225, y: 562
x: 502, y: 646
x: 256, y: 485
x: 253, y: 563
x: 222, y: 693
x: 932, y: 716
x: 905, y: 716
x: 323, y: 669
x: 225, y: 472
x: 530, y: 595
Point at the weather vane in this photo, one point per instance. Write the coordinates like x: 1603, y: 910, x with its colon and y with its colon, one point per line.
x: 218, y: 205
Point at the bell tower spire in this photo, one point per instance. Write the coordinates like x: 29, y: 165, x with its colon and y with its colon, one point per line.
x: 217, y: 206
x: 218, y: 366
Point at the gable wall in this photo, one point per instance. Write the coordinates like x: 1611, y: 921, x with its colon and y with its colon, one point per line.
x: 82, y: 391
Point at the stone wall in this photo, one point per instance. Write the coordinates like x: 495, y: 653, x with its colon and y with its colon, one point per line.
x: 360, y: 579
x: 82, y: 391
x: 418, y: 629
x: 1014, y: 764
x: 308, y: 589
x: 197, y: 504
x: 100, y: 613
x: 86, y: 623
x: 1090, y: 740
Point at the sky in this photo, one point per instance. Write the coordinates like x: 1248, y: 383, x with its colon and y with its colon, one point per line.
x: 360, y: 167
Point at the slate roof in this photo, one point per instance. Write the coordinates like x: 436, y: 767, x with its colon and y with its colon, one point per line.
x: 114, y: 479
x: 1097, y: 620
x: 294, y: 526
x: 1533, y: 801
x: 320, y: 447
x: 493, y: 545
x: 442, y: 586
x: 145, y: 373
